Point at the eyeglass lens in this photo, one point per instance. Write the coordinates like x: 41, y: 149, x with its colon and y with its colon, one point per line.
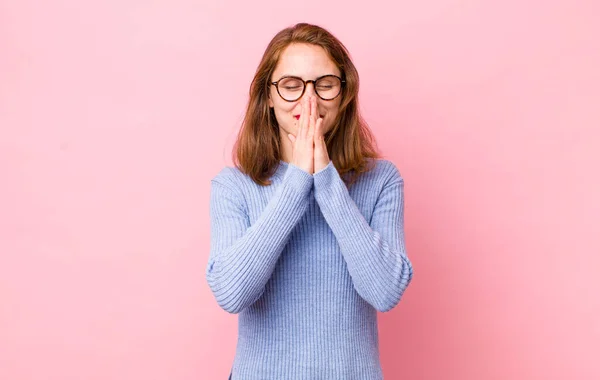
x: 326, y: 87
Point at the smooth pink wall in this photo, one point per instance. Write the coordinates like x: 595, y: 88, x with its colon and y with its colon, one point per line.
x: 115, y: 115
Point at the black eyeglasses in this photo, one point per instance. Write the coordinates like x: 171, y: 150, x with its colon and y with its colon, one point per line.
x: 291, y: 88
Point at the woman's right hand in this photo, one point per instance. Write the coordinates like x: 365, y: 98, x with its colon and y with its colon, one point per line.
x: 303, y: 142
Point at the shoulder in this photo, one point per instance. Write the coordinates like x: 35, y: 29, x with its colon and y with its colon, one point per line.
x: 228, y: 184
x: 385, y: 171
x: 229, y: 176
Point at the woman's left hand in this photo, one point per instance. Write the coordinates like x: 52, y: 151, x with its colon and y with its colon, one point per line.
x: 320, y: 153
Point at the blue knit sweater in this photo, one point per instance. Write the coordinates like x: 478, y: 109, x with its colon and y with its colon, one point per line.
x: 307, y: 263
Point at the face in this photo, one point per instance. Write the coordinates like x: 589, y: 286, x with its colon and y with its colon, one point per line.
x: 307, y: 62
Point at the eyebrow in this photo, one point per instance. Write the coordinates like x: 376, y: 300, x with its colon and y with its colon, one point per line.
x: 299, y: 76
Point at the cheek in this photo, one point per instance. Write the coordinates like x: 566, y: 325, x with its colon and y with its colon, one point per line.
x: 332, y: 110
x: 283, y: 113
x: 283, y: 107
x: 331, y: 106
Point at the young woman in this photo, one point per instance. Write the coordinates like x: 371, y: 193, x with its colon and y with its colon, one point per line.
x: 307, y: 230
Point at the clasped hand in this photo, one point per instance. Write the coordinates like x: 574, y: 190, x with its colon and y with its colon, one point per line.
x: 309, y: 148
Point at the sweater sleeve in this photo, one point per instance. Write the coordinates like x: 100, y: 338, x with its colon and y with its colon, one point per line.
x: 374, y: 251
x: 242, y: 256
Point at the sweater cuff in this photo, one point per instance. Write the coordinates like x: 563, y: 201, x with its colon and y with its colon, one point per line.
x: 298, y: 179
x: 330, y: 189
x: 324, y: 176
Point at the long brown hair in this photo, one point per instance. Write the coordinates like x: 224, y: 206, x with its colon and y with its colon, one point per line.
x: 349, y: 142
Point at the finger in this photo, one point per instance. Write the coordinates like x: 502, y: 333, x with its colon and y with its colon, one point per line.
x: 306, y: 116
x: 319, y: 127
x: 319, y: 131
x: 311, y: 124
x: 301, y: 121
x: 313, y: 110
x: 291, y: 137
x: 313, y: 119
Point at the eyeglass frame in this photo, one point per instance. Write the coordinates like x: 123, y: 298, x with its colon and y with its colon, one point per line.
x: 306, y: 82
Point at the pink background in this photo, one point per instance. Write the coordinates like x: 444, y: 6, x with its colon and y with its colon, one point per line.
x: 115, y: 115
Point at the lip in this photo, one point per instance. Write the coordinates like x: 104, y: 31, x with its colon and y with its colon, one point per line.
x: 298, y: 116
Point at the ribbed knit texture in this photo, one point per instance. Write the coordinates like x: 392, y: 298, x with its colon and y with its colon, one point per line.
x: 307, y: 263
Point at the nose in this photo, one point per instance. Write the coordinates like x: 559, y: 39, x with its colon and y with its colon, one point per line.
x: 310, y: 90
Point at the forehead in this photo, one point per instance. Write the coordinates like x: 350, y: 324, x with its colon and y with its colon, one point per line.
x: 306, y: 61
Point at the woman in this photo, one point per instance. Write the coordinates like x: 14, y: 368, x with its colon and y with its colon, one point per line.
x: 307, y: 234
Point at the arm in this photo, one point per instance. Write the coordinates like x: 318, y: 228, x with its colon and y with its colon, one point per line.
x: 374, y: 252
x: 243, y: 257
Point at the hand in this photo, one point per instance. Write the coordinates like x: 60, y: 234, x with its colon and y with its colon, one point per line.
x: 321, y: 155
x: 303, y: 142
